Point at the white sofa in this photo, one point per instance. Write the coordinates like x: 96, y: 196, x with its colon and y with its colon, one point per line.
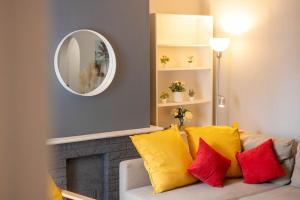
x: 135, y: 185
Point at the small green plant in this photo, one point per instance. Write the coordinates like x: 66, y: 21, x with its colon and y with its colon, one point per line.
x: 177, y: 86
x: 164, y: 59
x: 164, y: 95
x: 191, y: 93
x: 190, y: 59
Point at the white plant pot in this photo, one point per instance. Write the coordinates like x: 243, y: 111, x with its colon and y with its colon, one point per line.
x: 163, y: 101
x: 192, y: 98
x: 178, y: 97
x: 190, y: 64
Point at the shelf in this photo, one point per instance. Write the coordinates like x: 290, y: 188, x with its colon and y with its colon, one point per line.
x: 182, y: 68
x: 190, y: 38
x: 182, y: 45
x: 196, y: 101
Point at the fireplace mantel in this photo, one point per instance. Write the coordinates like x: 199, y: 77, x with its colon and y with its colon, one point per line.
x: 103, y: 135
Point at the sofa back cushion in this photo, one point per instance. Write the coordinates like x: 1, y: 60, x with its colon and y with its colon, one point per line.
x: 284, y: 148
x: 296, y: 173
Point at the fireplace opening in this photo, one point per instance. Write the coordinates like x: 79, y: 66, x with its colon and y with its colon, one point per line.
x: 85, y: 175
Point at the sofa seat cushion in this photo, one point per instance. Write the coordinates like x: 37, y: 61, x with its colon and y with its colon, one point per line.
x: 233, y: 189
x: 285, y: 192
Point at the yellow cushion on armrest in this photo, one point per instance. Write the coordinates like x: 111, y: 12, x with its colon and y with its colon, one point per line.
x: 166, y: 158
x: 54, y: 191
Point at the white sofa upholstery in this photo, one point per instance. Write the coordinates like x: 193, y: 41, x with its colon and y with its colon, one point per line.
x: 135, y: 185
x: 283, y: 193
x: 133, y: 175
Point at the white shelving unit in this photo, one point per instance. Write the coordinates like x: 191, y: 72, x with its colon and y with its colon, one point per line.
x: 184, y: 103
x: 181, y: 45
x: 180, y: 36
x: 182, y: 69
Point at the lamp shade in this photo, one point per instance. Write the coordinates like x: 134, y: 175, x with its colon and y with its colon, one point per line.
x: 219, y: 44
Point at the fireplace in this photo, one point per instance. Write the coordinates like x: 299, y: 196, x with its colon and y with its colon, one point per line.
x: 91, y: 168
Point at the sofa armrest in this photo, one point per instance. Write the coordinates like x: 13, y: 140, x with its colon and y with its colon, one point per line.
x: 133, y: 175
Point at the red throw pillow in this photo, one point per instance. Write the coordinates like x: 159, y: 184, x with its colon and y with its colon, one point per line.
x: 260, y: 164
x: 209, y: 166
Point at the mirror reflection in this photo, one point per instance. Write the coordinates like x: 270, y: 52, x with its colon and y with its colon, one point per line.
x: 83, y: 61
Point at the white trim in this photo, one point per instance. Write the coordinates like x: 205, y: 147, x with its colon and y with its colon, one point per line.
x: 74, y: 196
x: 111, y: 69
x: 95, y: 136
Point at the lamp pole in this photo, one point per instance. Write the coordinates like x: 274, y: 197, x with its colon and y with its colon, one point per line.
x: 217, y: 95
x: 218, y: 45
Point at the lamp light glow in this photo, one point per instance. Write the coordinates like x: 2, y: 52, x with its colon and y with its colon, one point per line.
x: 219, y: 44
x: 236, y: 22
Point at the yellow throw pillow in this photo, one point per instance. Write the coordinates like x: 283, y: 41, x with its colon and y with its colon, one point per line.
x: 54, y: 191
x: 166, y: 158
x: 224, y: 139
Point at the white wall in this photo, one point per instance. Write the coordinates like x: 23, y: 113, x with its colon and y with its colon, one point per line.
x: 261, y: 70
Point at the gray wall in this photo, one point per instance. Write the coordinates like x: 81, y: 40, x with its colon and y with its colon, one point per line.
x: 125, y: 104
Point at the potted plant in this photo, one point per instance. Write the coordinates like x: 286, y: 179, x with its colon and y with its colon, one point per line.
x: 164, y: 60
x: 178, y: 89
x: 191, y: 95
x: 190, y: 60
x: 182, y: 115
x: 164, y: 97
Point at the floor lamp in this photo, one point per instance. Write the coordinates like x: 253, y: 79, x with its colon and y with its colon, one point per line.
x: 218, y: 45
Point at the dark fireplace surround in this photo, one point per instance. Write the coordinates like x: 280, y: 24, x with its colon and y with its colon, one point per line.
x: 91, y: 168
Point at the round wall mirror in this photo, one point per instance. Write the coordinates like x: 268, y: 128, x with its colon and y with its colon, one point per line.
x: 85, y: 63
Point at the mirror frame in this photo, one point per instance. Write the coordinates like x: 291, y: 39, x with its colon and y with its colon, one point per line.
x: 111, y: 69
